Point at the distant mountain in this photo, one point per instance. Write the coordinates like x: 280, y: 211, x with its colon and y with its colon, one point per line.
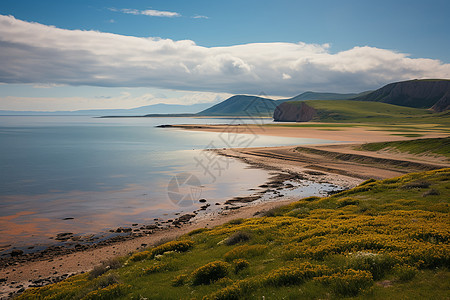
x: 243, y: 105
x: 143, y: 110
x: 427, y: 93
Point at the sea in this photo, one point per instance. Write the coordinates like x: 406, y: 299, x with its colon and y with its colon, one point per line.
x: 87, y: 175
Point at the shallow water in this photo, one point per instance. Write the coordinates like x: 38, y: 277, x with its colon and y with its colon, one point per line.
x: 104, y: 173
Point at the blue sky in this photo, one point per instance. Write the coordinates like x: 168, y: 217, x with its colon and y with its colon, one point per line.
x: 281, y: 48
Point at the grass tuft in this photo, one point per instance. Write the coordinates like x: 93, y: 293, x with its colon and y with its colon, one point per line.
x: 238, y: 237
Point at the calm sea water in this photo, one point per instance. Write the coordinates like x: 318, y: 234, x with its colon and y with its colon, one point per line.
x: 105, y: 173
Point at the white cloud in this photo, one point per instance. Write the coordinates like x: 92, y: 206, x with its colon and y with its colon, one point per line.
x: 200, y: 17
x: 40, y: 54
x: 149, y: 12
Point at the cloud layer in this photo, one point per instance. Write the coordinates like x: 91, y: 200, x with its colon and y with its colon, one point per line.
x: 148, y: 12
x: 36, y: 53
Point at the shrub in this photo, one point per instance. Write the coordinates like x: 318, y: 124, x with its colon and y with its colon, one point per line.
x: 236, y: 221
x: 110, y: 264
x: 107, y: 280
x: 210, y: 272
x: 237, y: 237
x: 178, y: 246
x: 244, y: 251
x: 140, y: 256
x: 416, y: 185
x: 376, y: 264
x: 405, y: 272
x: 224, y: 282
x: 294, y: 274
x: 240, y: 264
x: 179, y: 280
x: 431, y: 192
x: 348, y: 283
x: 155, y: 269
x: 273, y: 212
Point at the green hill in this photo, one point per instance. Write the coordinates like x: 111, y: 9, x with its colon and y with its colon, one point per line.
x: 426, y: 93
x: 353, y: 111
x: 384, y: 239
x: 242, y: 105
x: 324, y: 96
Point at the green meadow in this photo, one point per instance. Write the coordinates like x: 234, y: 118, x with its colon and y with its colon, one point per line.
x: 439, y: 146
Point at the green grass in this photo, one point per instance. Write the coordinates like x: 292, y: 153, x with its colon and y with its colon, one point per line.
x: 339, y: 111
x: 440, y: 146
x: 344, y: 245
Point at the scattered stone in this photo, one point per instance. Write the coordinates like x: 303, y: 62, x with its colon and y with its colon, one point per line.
x: 202, y: 200
x: 121, y: 229
x: 185, y: 218
x: 315, y: 173
x: 63, y: 236
x: 69, y: 218
x: 16, y: 252
x: 135, y: 224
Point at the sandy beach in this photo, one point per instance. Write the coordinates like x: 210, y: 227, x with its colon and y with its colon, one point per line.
x: 339, y: 164
x: 343, y: 133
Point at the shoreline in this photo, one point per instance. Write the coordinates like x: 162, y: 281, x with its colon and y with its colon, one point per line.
x: 56, y: 263
x: 336, y: 133
x: 285, y: 163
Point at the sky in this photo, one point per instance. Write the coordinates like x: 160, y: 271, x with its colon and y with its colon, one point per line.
x: 91, y: 54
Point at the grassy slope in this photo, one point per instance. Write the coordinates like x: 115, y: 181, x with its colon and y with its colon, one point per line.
x: 439, y: 146
x: 396, y: 230
x: 372, y: 112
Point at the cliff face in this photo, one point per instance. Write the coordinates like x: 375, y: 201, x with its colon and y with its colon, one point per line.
x: 433, y: 94
x: 294, y: 112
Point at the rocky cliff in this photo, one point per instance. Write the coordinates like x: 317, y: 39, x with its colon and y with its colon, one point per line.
x: 294, y: 112
x: 434, y: 94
